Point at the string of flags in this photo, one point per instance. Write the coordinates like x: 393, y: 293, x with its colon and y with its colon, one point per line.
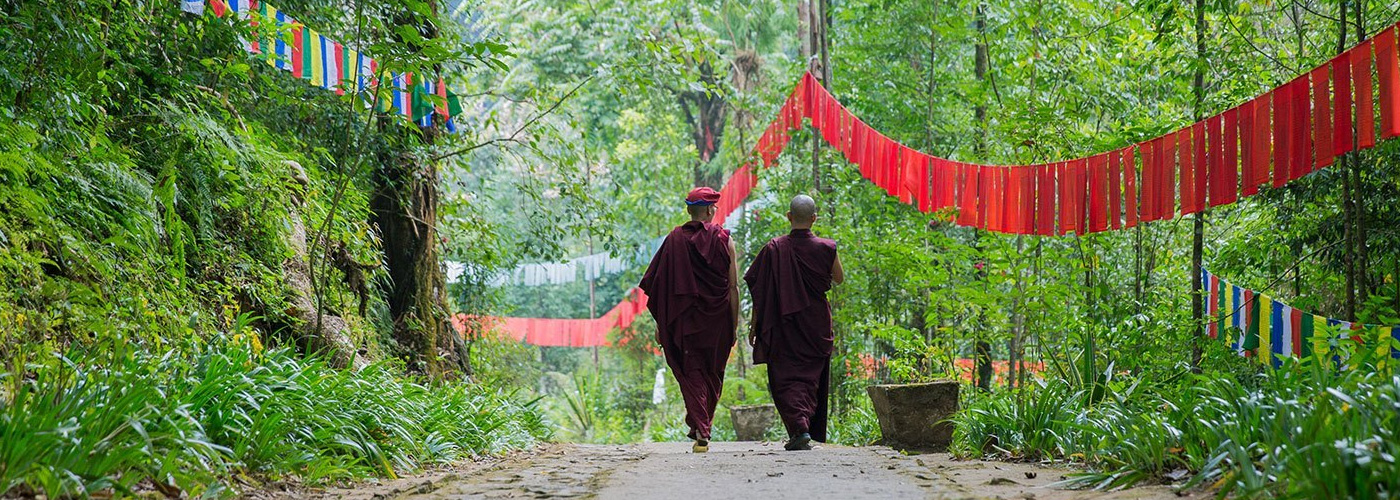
x: 559, y: 332
x: 1282, y: 135
x: 323, y: 62
x: 1260, y: 327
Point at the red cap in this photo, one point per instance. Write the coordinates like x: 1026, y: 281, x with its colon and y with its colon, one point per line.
x: 702, y: 196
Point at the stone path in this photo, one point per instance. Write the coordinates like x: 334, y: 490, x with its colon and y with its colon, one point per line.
x: 735, y: 471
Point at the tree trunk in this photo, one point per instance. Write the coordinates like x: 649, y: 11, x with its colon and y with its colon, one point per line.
x: 405, y: 209
x: 984, y: 349
x: 1199, y: 228
x: 405, y: 206
x: 705, y: 113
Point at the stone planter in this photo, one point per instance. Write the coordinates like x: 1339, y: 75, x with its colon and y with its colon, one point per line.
x: 913, y: 416
x: 753, y: 421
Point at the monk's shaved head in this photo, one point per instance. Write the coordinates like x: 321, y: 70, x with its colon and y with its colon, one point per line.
x: 803, y: 209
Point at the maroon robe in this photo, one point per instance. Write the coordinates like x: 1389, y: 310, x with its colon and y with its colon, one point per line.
x: 687, y: 286
x: 792, y: 322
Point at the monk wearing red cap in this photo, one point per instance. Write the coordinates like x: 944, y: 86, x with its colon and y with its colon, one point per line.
x: 692, y: 288
x: 792, y: 329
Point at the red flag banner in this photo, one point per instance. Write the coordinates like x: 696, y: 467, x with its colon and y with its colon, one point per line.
x: 1342, y: 136
x: 1362, y: 96
x: 1322, y: 117
x: 1215, y: 159
x: 1283, y: 134
x: 1166, y: 177
x: 1130, y: 192
x: 1045, y: 201
x: 1263, y: 110
x: 1225, y: 185
x: 1098, y: 193
x: 969, y: 187
x: 1115, y: 191
x: 1247, y: 152
x: 1149, y: 179
x: 1191, y: 143
x: 1388, y: 74
x: 1301, y: 142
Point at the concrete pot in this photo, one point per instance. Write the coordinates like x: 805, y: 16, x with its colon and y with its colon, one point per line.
x: 913, y: 416
x: 753, y: 421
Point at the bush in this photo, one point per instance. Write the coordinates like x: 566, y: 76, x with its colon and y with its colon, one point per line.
x: 110, y: 415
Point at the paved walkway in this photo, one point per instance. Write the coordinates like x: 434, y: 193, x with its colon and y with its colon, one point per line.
x: 734, y: 471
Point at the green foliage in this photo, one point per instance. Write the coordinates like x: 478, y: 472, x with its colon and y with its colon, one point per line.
x: 1306, y: 430
x: 109, y: 415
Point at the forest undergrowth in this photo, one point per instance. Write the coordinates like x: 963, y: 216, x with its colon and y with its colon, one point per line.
x: 219, y: 417
x: 1315, y: 428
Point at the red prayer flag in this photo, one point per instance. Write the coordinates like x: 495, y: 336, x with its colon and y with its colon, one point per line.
x: 1201, y: 155
x: 1148, y: 199
x: 1062, y: 199
x: 1166, y: 170
x: 1079, y: 192
x: 1283, y: 134
x: 1388, y: 75
x: 925, y: 192
x: 1027, y: 207
x: 1363, y: 96
x: 296, y: 47
x: 218, y: 6
x: 969, y: 186
x: 1301, y: 142
x: 909, y: 191
x: 1225, y: 185
x: 1045, y: 200
x: 995, y: 197
x: 864, y: 139
x: 892, y: 167
x: 1215, y: 160
x: 254, y: 45
x: 1130, y: 194
x: 1342, y: 136
x: 1115, y: 192
x: 945, y: 184
x: 1191, y: 143
x: 1246, y: 140
x: 985, y: 200
x: 1322, y: 118
x: 1262, y: 130
x: 1098, y: 193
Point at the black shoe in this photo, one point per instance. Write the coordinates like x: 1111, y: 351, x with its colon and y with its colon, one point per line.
x: 802, y: 442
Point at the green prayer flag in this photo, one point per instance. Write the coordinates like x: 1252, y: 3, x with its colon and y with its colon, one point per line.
x: 1251, y: 335
x: 454, y: 105
x: 1305, y: 337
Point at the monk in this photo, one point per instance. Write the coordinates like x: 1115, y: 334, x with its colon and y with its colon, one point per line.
x: 791, y: 326
x: 692, y: 287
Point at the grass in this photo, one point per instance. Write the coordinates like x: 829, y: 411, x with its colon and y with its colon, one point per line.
x: 113, y: 417
x: 1306, y: 430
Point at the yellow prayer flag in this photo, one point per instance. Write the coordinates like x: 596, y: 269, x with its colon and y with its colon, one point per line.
x: 318, y: 64
x: 1266, y: 314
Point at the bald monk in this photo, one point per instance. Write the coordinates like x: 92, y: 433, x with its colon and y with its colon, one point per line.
x: 791, y: 324
x: 693, y: 292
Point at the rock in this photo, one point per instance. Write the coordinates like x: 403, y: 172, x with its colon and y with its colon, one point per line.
x: 752, y: 422
x: 915, y: 416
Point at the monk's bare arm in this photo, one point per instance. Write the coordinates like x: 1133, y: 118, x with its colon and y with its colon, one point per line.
x: 734, y: 283
x: 837, y: 273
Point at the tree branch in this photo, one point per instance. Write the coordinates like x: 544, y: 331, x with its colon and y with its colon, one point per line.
x: 513, y: 135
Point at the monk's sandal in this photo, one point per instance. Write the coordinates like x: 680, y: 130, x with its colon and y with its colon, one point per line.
x: 701, y: 446
x: 801, y: 442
